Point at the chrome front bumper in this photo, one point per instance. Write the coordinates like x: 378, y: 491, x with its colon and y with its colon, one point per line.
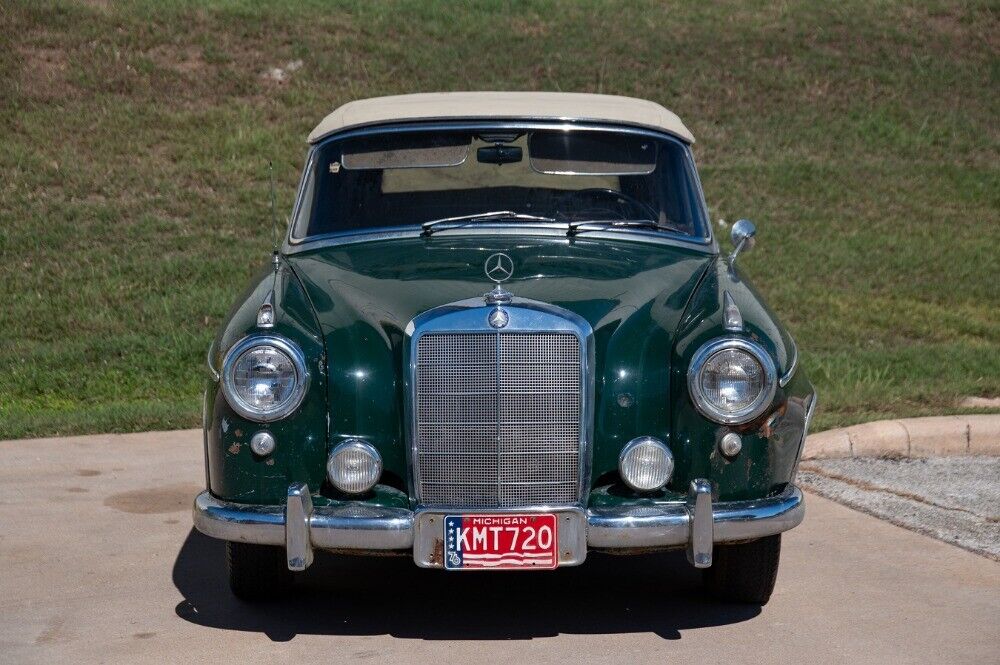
x: 696, y: 523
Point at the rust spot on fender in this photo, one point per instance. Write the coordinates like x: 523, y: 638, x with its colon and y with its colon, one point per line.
x: 166, y: 499
x: 768, y: 429
x: 233, y: 449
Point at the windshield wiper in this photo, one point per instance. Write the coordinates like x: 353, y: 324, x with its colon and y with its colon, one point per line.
x: 599, y: 224
x: 506, y: 215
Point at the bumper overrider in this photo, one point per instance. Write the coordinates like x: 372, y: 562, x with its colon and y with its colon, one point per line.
x: 696, y: 523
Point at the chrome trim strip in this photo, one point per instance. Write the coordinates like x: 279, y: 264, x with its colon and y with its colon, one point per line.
x: 809, y: 415
x: 292, y: 244
x: 212, y: 372
x: 693, y: 168
x: 669, y: 524
x: 810, y: 410
x: 299, y: 197
x: 504, y: 229
x: 525, y: 124
x: 707, y: 350
x: 792, y: 366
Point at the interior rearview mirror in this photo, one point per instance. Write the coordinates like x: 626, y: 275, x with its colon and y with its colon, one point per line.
x: 499, y: 154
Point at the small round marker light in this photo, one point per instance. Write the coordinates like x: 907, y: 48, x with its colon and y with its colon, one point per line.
x: 731, y: 444
x: 262, y: 444
x: 354, y: 467
x: 645, y: 464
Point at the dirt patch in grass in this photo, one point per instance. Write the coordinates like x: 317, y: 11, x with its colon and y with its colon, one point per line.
x: 44, y: 73
x: 187, y: 60
x: 529, y: 26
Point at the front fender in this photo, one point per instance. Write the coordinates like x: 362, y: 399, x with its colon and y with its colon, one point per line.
x: 234, y: 472
x: 772, y: 441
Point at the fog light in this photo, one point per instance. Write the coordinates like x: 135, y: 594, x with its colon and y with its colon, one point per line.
x: 354, y: 467
x: 262, y: 444
x: 731, y: 444
x: 645, y: 464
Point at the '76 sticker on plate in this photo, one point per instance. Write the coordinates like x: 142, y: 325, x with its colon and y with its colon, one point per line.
x: 499, y: 542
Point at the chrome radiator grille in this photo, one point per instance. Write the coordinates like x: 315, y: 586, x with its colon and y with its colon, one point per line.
x: 497, y: 419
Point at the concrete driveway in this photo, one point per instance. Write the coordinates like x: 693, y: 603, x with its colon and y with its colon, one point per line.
x: 98, y: 563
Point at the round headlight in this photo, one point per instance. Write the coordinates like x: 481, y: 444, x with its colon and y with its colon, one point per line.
x: 354, y: 467
x: 264, y: 378
x: 731, y: 381
x: 645, y: 464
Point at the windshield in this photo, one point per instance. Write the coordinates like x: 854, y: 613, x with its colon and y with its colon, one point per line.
x: 392, y: 179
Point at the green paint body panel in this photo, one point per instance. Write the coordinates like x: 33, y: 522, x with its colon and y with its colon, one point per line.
x: 633, y: 296
x: 651, y: 305
x: 771, y: 443
x: 234, y: 472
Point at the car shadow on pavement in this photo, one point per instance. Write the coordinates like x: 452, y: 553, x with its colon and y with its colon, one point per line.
x: 349, y: 595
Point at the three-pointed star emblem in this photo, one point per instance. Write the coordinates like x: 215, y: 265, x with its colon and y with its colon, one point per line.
x: 498, y: 318
x: 499, y: 267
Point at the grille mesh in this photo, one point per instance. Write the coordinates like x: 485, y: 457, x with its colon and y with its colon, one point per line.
x: 498, y: 419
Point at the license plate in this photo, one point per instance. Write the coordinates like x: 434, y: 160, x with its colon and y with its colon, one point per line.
x: 500, y: 542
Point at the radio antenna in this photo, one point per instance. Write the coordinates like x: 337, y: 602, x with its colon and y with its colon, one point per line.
x: 274, y: 220
x: 266, y: 313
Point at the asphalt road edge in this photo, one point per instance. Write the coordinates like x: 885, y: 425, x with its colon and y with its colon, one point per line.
x: 910, y: 437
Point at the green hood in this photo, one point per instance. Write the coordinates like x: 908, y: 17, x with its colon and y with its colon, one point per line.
x: 632, y: 293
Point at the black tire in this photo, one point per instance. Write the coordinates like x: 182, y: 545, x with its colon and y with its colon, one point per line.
x: 257, y: 572
x: 744, y: 572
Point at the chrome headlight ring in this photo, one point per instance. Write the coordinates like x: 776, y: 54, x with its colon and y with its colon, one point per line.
x: 754, y: 409
x: 298, y: 391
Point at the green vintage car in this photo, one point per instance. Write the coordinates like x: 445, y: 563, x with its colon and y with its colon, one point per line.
x: 499, y: 335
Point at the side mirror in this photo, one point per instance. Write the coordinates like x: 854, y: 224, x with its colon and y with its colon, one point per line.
x: 744, y: 236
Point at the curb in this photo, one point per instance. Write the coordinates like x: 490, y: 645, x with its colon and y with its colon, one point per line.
x: 910, y: 437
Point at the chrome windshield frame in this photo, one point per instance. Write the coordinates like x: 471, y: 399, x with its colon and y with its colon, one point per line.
x: 706, y: 243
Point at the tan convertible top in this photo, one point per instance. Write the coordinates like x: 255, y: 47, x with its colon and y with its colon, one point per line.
x: 501, y: 106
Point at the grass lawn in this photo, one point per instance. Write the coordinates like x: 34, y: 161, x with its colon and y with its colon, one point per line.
x: 862, y: 137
